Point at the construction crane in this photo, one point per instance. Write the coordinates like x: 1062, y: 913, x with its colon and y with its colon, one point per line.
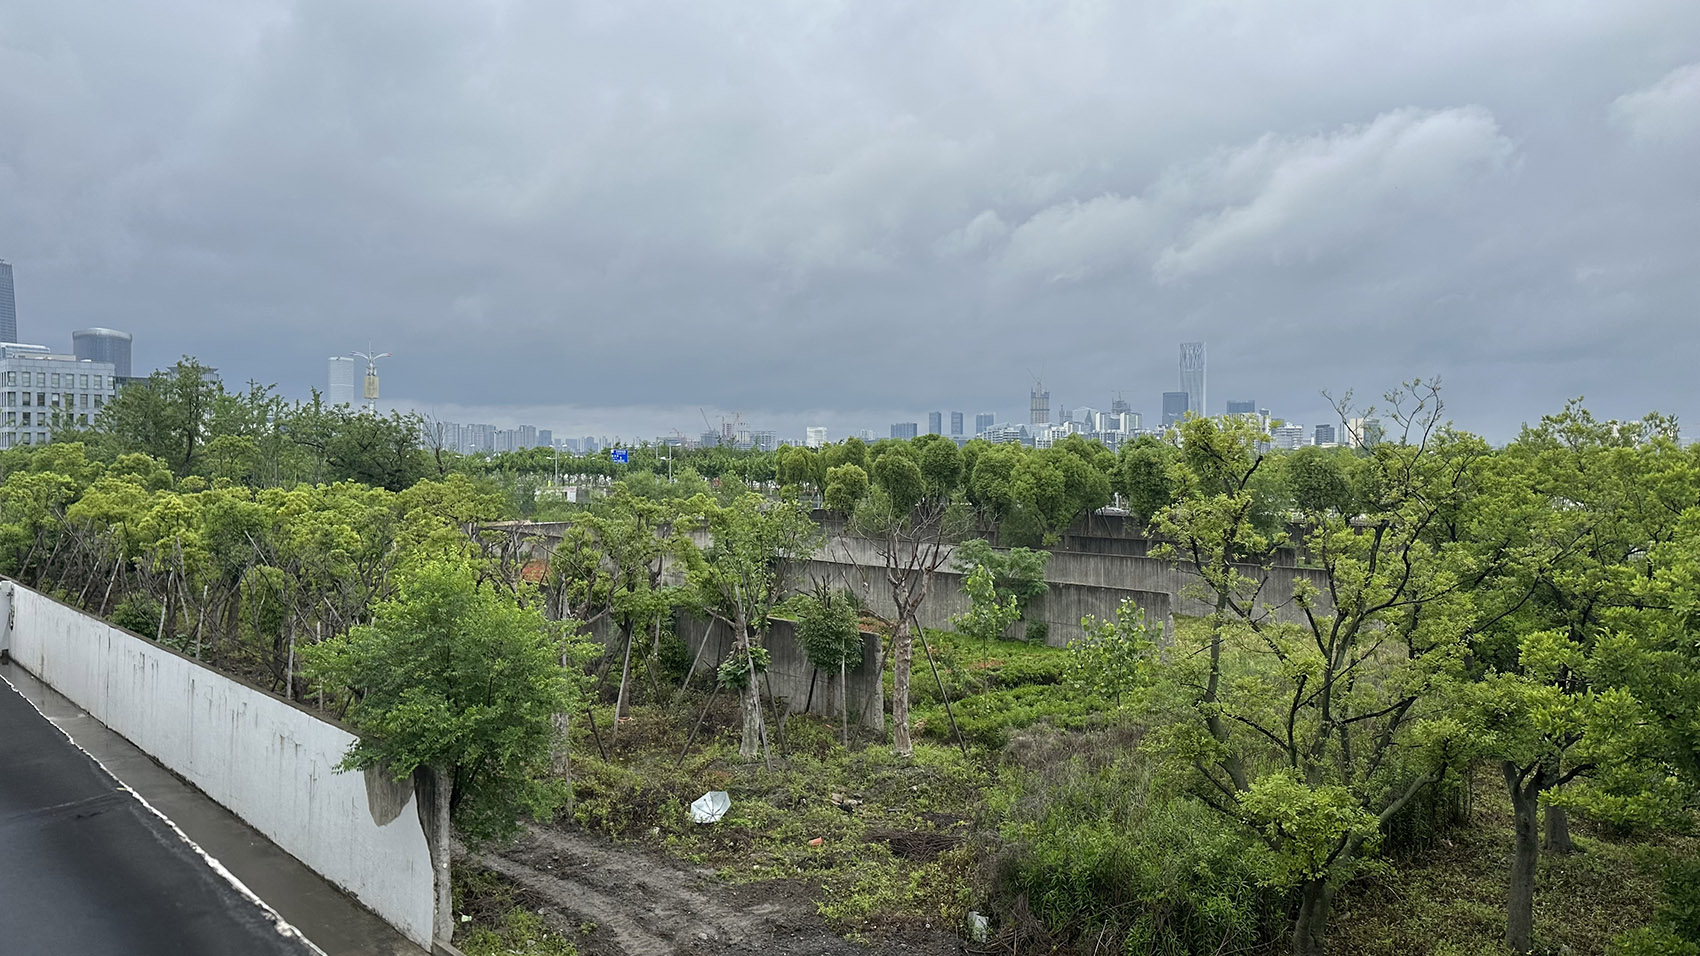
x: 728, y: 431
x: 371, y: 391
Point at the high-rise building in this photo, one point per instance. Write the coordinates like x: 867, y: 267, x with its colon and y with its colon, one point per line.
x: 935, y: 423
x: 1364, y: 432
x: 955, y: 424
x: 545, y: 438
x: 1242, y: 408
x: 41, y: 391
x: 1288, y: 437
x: 904, y: 430
x: 341, y: 391
x: 814, y: 436
x: 1175, y: 406
x: 1324, y: 435
x: 8, y: 305
x: 1120, y: 406
x: 104, y: 345
x: 1039, y: 405
x: 983, y: 421
x: 1192, y: 376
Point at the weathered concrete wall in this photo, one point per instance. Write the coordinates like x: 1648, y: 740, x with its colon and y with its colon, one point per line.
x: 271, y: 763
x: 1060, y: 609
x: 789, y: 670
x: 1119, y: 575
x: 1098, y: 563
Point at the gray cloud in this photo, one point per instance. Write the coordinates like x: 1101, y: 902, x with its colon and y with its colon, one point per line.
x: 613, y: 213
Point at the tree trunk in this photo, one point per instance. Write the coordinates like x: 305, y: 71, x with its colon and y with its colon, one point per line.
x: 1309, y: 927
x: 749, y: 745
x: 879, y: 697
x: 843, y: 704
x: 289, y: 664
x: 903, y: 654
x: 749, y: 697
x: 1557, y: 838
x: 1520, y: 903
x: 562, y: 756
x: 620, y: 700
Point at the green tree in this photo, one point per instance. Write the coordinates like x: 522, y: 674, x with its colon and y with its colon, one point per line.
x: 453, y: 678
x: 828, y: 628
x: 165, y: 416
x: 989, y: 614
x: 1143, y: 476
x: 913, y: 512
x: 1017, y: 573
x: 1342, y: 729
x: 741, y: 576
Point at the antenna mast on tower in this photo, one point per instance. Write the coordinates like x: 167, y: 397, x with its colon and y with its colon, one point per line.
x: 371, y: 390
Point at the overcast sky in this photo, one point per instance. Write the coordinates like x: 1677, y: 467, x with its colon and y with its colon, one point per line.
x: 601, y: 216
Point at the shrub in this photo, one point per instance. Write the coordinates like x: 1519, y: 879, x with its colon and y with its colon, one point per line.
x: 1095, y: 852
x: 1037, y: 631
x: 137, y: 613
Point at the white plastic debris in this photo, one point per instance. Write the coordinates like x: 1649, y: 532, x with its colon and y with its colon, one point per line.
x: 979, y: 927
x: 711, y: 806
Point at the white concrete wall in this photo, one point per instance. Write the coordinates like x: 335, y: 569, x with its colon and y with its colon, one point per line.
x: 269, y: 762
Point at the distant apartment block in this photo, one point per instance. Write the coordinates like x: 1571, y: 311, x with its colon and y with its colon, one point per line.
x: 1010, y: 434
x: 478, y: 438
x: 814, y: 436
x: 41, y: 391
x: 935, y: 423
x: 905, y: 430
x: 1288, y: 437
x: 1324, y: 435
x: 1242, y: 408
x: 955, y: 424
x: 983, y: 421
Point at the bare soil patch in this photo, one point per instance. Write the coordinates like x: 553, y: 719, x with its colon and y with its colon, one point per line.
x: 625, y: 900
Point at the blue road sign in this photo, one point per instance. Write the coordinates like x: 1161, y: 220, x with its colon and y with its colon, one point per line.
x: 619, y: 455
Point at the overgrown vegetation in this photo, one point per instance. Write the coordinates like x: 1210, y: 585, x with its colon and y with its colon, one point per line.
x: 1445, y: 697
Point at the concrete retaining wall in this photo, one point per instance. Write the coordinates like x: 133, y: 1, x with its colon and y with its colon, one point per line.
x: 1059, y: 609
x: 271, y: 763
x: 789, y: 670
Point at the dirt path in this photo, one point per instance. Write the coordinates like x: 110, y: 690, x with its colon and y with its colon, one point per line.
x: 644, y: 904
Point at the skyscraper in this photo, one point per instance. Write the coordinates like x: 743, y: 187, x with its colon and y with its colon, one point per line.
x: 1242, y: 408
x: 8, y: 305
x: 955, y: 424
x: 1192, y: 376
x: 1324, y: 435
x: 1174, y: 408
x: 104, y: 345
x: 1039, y: 405
x: 903, y: 430
x: 814, y: 436
x: 935, y: 423
x: 983, y: 421
x: 341, y: 390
